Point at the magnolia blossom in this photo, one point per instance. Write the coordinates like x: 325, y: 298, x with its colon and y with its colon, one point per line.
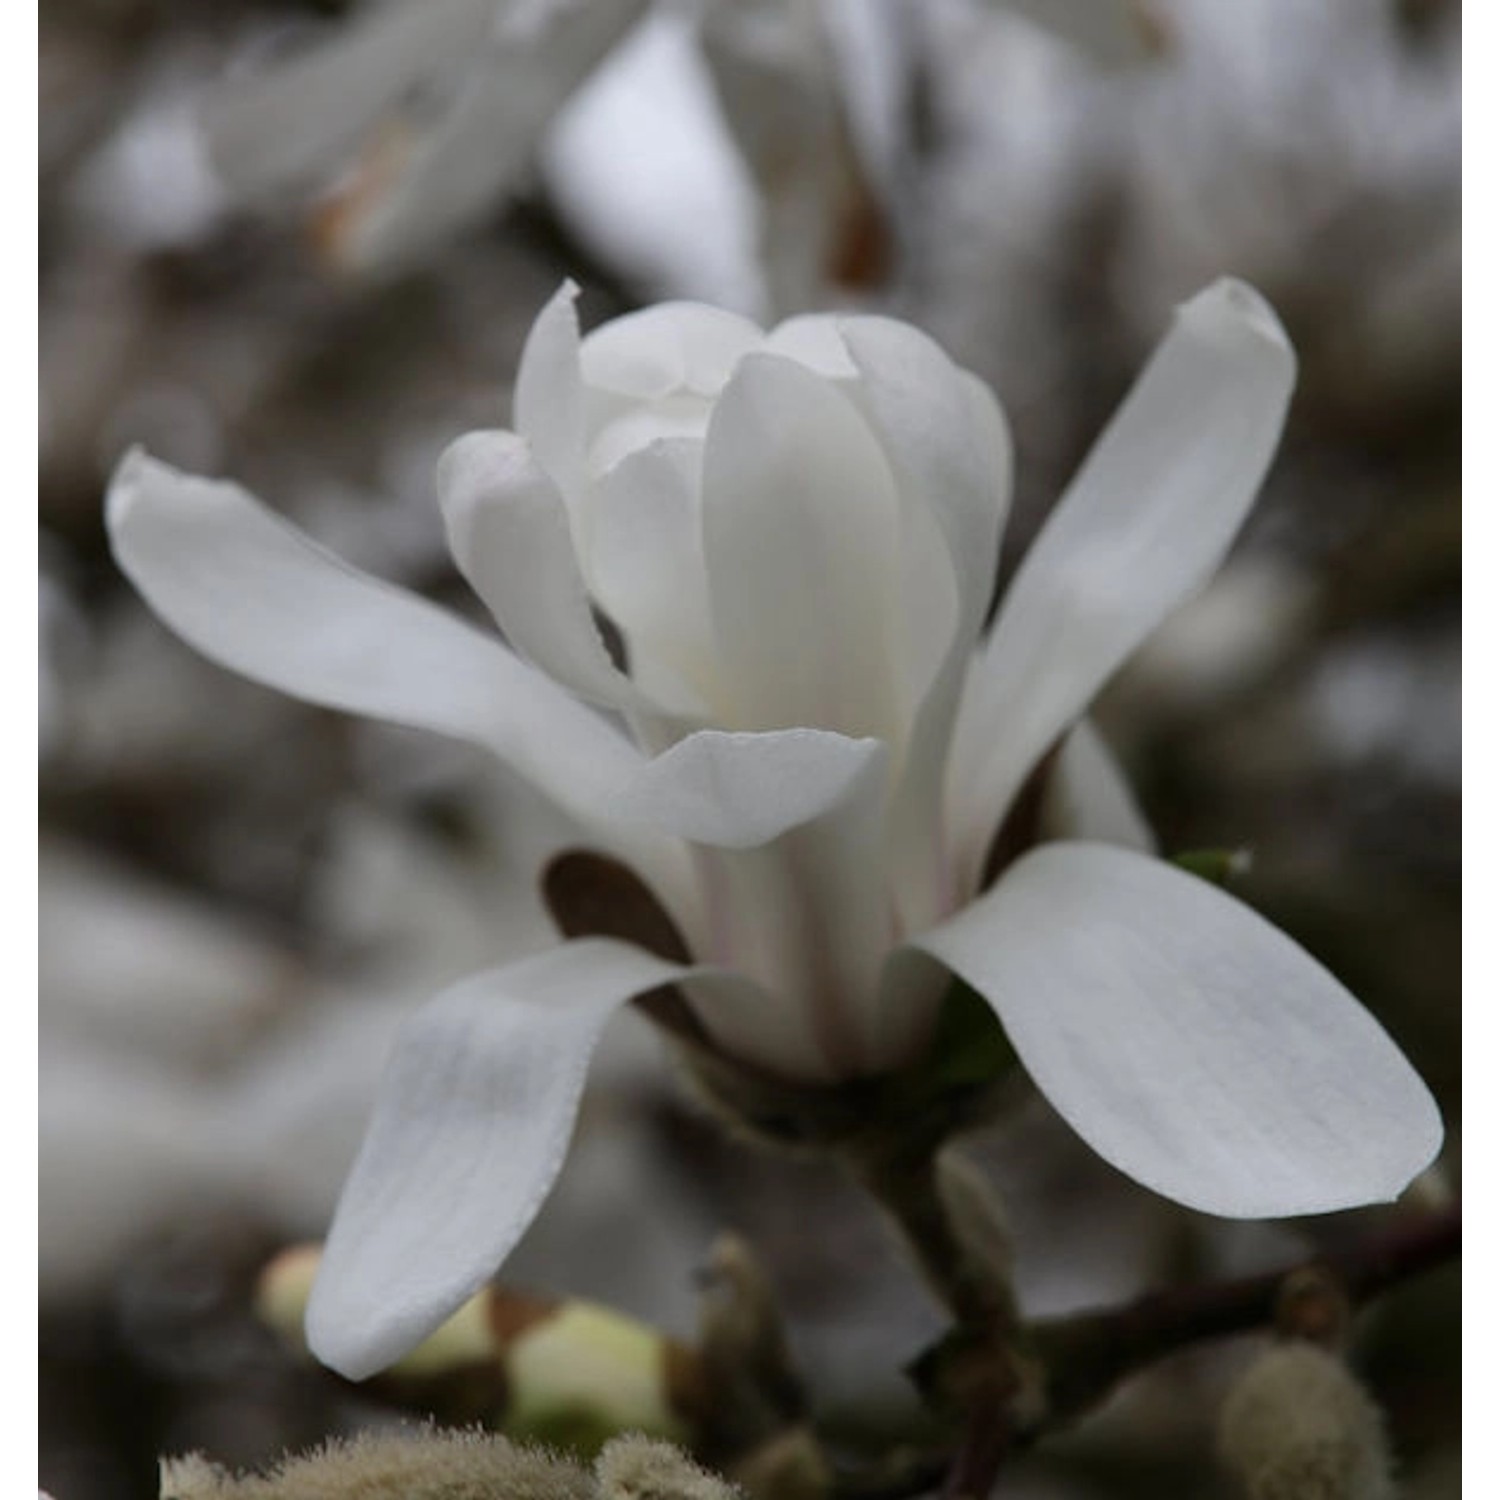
x: 807, y: 747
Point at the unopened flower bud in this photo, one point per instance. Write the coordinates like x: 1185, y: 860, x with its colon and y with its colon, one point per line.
x: 427, y: 1465
x: 559, y: 1371
x: 1299, y: 1426
x: 749, y: 1378
x: 638, y: 1468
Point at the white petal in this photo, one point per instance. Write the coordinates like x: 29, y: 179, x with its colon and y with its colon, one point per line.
x: 1088, y: 797
x: 646, y: 566
x: 508, y: 528
x: 792, y: 892
x: 814, y: 340
x: 947, y: 442
x: 549, y: 397
x: 800, y: 535
x: 1190, y: 1043
x: 294, y: 120
x: 257, y: 596
x: 673, y: 346
x: 738, y: 791
x: 1147, y: 519
x: 469, y: 1132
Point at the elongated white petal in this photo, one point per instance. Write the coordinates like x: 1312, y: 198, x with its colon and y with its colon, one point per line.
x: 800, y: 535
x: 647, y: 568
x: 1190, y: 1043
x: 1088, y: 797
x: 947, y: 442
x: 508, y: 529
x: 251, y: 592
x: 673, y: 346
x: 469, y: 1132
x: 738, y: 791
x: 549, y: 396
x: 1147, y: 519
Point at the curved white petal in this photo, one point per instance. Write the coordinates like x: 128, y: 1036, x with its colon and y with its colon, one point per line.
x: 739, y: 791
x: 1147, y: 519
x: 814, y: 340
x: 948, y: 445
x: 945, y: 438
x: 508, y: 529
x: 673, y: 346
x: 470, y: 1128
x: 800, y: 533
x: 1190, y: 1043
x: 549, y: 395
x: 1088, y: 797
x: 254, y: 594
x: 646, y: 566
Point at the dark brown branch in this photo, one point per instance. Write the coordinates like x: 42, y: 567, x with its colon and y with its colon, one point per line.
x: 1086, y: 1356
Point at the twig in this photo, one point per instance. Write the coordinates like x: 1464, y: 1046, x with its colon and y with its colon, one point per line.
x: 1086, y: 1356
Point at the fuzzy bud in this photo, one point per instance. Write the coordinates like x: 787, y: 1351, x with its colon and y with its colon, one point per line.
x: 638, y: 1468
x: 428, y: 1465
x: 1299, y: 1426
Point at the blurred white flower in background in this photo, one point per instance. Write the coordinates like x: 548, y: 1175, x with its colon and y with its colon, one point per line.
x: 763, y: 136
x: 792, y: 539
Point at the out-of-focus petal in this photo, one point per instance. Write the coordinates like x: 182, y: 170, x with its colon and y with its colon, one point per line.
x: 533, y: 60
x: 1144, y: 523
x: 1088, y: 797
x: 295, y: 120
x: 469, y: 1132
x: 1190, y: 1043
x: 800, y: 531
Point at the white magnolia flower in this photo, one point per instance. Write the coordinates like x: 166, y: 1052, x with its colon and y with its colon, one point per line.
x: 794, y: 536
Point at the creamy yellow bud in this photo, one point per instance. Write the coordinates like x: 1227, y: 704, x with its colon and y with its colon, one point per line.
x: 586, y: 1372
x: 566, y: 1372
x: 1299, y: 1426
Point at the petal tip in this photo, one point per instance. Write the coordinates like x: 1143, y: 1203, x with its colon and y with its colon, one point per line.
x: 1234, y: 305
x: 488, y: 454
x: 134, y: 470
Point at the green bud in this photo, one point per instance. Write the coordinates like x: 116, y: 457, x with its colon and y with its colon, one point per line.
x: 1217, y: 866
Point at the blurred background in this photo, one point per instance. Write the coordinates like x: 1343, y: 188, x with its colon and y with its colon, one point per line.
x: 299, y: 242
